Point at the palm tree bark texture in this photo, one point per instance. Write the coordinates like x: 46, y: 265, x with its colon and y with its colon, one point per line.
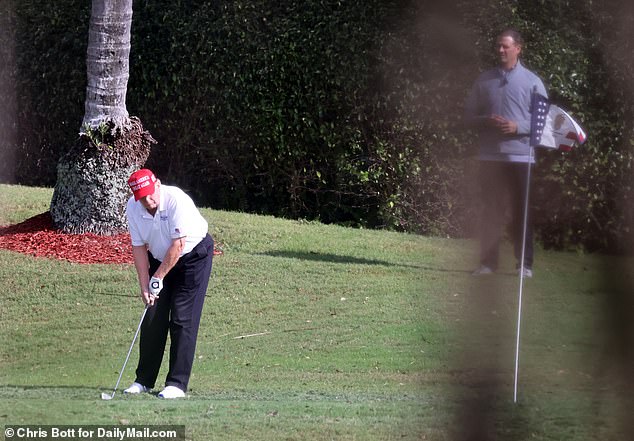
x: 91, y: 188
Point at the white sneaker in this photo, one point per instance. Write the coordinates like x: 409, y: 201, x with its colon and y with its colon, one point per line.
x: 527, y: 273
x: 171, y: 392
x: 482, y: 271
x: 136, y: 388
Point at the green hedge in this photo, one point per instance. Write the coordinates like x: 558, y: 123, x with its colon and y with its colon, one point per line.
x: 269, y: 107
x: 342, y: 111
x: 51, y: 40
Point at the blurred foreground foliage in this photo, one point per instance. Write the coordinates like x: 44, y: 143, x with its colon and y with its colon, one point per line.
x: 342, y: 111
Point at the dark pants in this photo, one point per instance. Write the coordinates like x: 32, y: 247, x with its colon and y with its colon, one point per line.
x: 503, y: 185
x: 178, y: 311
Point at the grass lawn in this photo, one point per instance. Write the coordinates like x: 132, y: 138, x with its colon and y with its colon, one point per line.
x: 315, y: 332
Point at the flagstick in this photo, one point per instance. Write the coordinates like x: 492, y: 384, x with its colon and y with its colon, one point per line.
x: 521, y: 289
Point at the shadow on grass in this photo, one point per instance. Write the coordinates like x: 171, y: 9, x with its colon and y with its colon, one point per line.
x: 62, y: 391
x: 50, y: 387
x: 111, y: 294
x: 315, y: 256
x: 50, y: 391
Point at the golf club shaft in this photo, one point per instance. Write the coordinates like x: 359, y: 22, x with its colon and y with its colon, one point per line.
x: 521, y: 273
x: 130, y: 350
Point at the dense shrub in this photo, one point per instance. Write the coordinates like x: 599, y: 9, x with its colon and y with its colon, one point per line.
x: 273, y: 109
x: 343, y: 111
x: 51, y: 40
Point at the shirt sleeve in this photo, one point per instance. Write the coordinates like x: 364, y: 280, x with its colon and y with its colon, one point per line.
x: 472, y: 113
x: 135, y: 236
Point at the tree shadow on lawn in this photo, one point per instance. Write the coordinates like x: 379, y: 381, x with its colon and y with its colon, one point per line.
x: 335, y: 258
x: 8, y: 391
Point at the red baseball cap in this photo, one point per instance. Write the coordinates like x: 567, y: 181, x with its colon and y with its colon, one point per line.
x: 142, y: 183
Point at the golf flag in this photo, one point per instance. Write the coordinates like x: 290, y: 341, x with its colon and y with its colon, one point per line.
x: 552, y: 127
x: 539, y: 109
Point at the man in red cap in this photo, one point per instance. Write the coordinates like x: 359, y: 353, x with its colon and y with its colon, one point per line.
x: 173, y: 258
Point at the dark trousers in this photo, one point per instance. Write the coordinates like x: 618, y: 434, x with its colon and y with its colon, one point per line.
x: 503, y: 185
x: 177, y: 310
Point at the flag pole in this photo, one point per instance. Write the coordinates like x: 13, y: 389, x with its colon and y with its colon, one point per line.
x: 539, y: 112
x: 521, y: 272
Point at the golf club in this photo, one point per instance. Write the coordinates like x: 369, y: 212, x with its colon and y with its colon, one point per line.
x: 105, y: 396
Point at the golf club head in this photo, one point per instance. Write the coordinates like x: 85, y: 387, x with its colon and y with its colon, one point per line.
x: 105, y: 396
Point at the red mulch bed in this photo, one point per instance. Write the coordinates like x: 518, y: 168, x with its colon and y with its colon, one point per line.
x: 37, y: 237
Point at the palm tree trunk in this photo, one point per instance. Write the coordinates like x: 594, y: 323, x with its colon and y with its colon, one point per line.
x: 107, y: 63
x: 91, y: 188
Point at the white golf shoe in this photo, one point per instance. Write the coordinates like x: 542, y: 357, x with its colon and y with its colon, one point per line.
x: 482, y: 270
x: 136, y: 388
x: 171, y: 392
x: 527, y: 273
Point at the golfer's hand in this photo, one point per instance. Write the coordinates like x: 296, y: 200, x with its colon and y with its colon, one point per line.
x: 505, y: 126
x: 156, y: 285
x: 148, y: 298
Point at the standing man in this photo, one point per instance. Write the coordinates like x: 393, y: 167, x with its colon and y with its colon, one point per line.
x: 499, y: 108
x: 173, y: 257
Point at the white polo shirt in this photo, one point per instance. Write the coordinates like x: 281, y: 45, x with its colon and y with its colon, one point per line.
x: 176, y: 217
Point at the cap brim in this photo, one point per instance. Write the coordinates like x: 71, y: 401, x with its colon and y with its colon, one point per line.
x: 143, y: 192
